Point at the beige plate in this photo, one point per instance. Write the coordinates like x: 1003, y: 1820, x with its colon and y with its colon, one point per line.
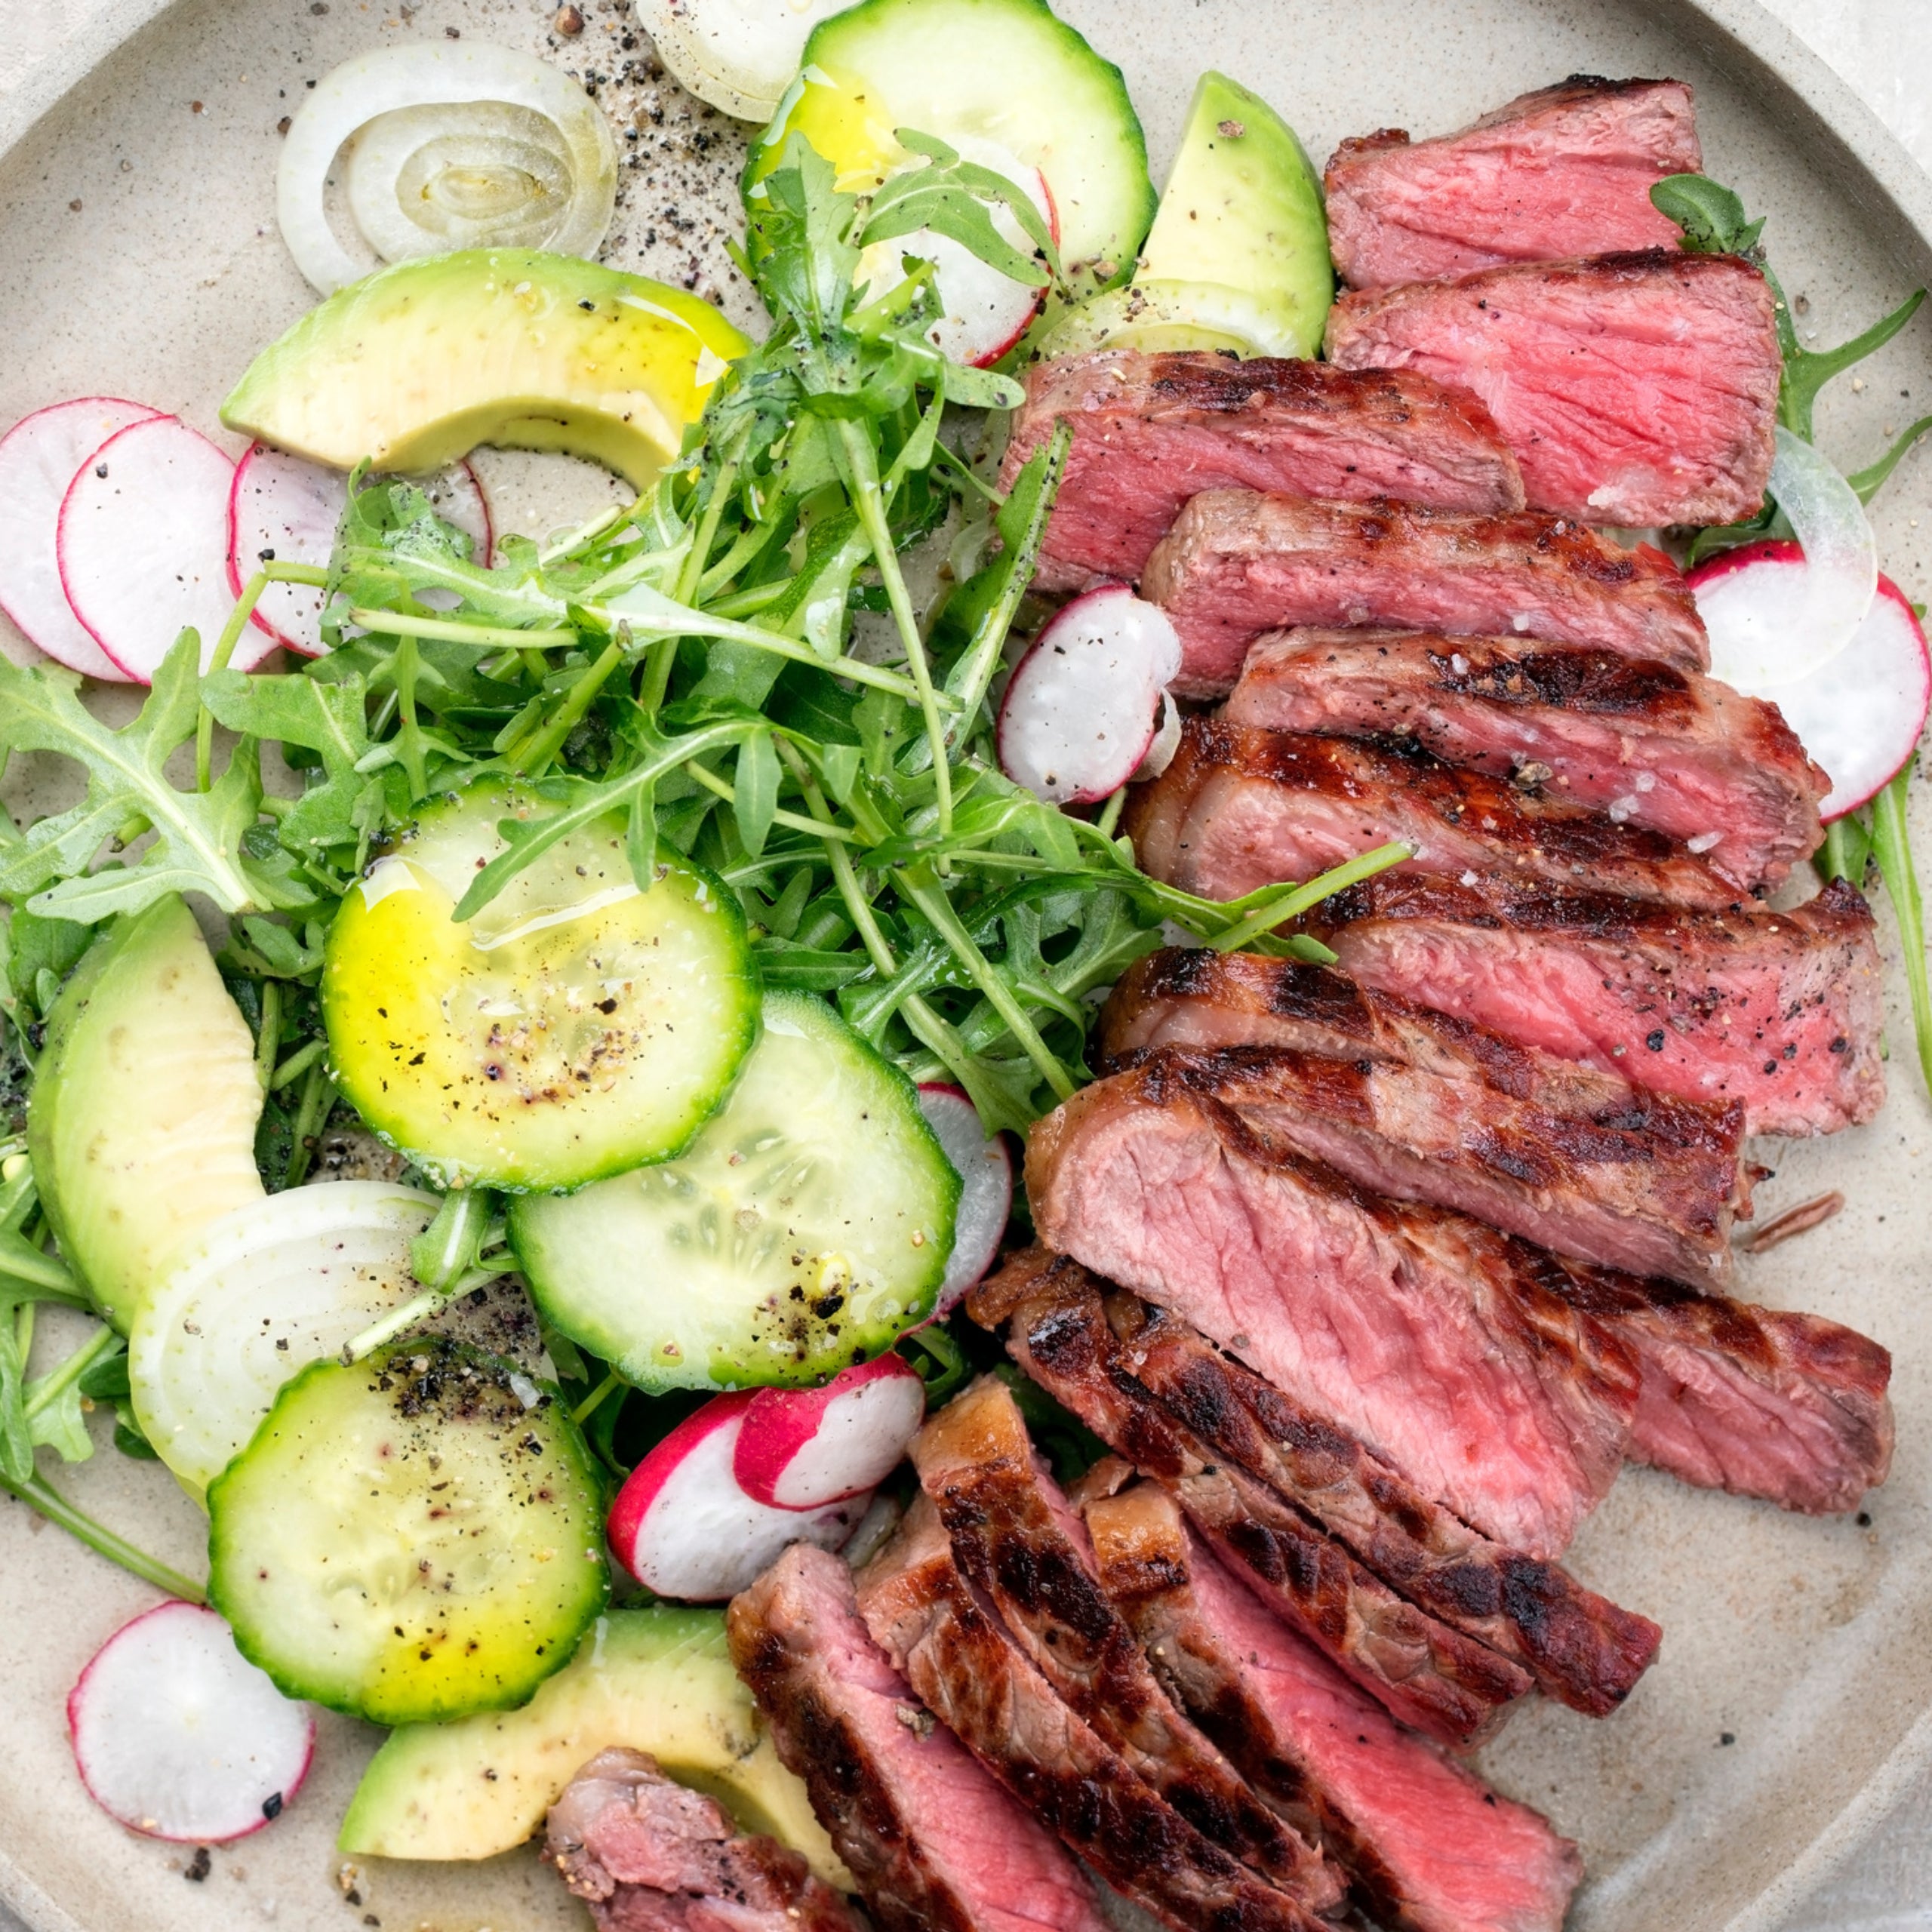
x: 1794, y: 1696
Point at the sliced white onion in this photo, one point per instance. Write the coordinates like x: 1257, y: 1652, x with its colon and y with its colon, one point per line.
x: 739, y: 55
x: 1754, y: 643
x: 459, y: 145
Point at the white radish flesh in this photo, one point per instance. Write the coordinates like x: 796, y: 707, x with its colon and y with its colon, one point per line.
x: 143, y: 546
x: 985, y: 1197
x: 800, y: 1449
x: 683, y: 1527
x: 178, y: 1735
x: 39, y: 458
x: 1079, y: 712
x: 1166, y: 741
x: 289, y: 508
x: 739, y: 55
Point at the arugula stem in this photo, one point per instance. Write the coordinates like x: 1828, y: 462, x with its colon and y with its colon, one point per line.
x: 268, y: 1042
x: 592, y: 1402
x: 451, y: 630
x: 21, y: 1261
x: 749, y: 603
x: 296, y: 1064
x: 418, y: 1308
x: 692, y: 575
x: 585, y: 532
x: 1892, y: 847
x: 231, y: 635
x: 1110, y: 813
x: 791, y: 821
x: 532, y: 759
x: 60, y: 1380
x: 318, y: 1098
x: 39, y: 1494
x: 1291, y: 905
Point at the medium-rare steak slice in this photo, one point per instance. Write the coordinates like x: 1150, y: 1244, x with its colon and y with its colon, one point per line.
x: 1020, y: 1543
x: 646, y: 1855
x: 1639, y: 389
x: 969, y: 1674
x: 1151, y: 431
x: 1237, y: 563
x: 1566, y: 170
x: 936, y: 1844
x: 1791, y: 1407
x: 1581, y: 1164
x: 1651, y: 745
x: 1102, y: 1364
x: 1432, y: 1848
x: 1238, y: 809
x: 1409, y: 1325
x: 1780, y: 1010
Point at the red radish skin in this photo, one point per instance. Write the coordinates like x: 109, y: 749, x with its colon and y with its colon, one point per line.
x: 802, y: 1448
x: 683, y: 1526
x: 143, y: 546
x: 985, y: 1166
x: 39, y: 458
x: 1860, y: 716
x: 177, y: 1735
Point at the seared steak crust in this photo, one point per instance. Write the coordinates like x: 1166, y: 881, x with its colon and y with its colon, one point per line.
x: 1237, y: 563
x: 1780, y: 1012
x: 1566, y: 170
x: 1151, y: 431
x: 1652, y: 745
x: 1639, y: 389
x: 1240, y: 808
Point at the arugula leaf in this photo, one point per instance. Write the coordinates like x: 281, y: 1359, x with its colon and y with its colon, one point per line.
x: 1711, y: 215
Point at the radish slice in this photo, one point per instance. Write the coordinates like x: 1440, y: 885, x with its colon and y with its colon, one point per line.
x: 1861, y: 717
x: 39, y: 457
x: 1758, y: 640
x: 740, y: 55
x: 802, y: 1448
x: 1079, y: 712
x: 178, y: 1735
x: 143, y: 546
x: 289, y: 508
x: 683, y: 1526
x: 985, y: 1197
x: 1166, y: 741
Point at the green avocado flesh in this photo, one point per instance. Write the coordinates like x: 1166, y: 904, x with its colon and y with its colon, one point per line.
x: 142, y: 1120
x: 658, y: 1680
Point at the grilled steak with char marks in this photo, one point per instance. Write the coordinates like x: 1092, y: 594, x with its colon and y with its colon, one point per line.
x: 935, y: 1844
x: 1151, y: 431
x: 1673, y: 750
x: 1238, y: 809
x: 1566, y: 170
x: 1237, y: 563
x: 1432, y: 1848
x: 1408, y: 1325
x: 1639, y: 389
x: 1779, y: 1010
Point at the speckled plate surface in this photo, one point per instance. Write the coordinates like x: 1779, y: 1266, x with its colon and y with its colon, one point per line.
x: 1794, y: 1695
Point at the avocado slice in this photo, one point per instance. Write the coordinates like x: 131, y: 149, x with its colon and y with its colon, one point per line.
x: 658, y: 1679
x: 141, y: 1123
x: 417, y: 363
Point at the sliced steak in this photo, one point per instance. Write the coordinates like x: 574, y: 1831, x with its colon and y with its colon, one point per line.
x: 1151, y: 431
x: 1018, y: 1541
x: 1780, y: 1012
x: 1653, y: 746
x: 1239, y: 808
x: 1566, y: 170
x: 1409, y: 1325
x: 1639, y: 389
x: 646, y: 1855
x: 1790, y: 1407
x: 969, y: 1672
x: 1432, y: 1848
x: 1237, y: 563
x: 936, y: 1844
x: 1424, y: 1107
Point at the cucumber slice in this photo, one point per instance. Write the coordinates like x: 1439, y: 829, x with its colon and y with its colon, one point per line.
x: 576, y: 1027
x: 1003, y: 71
x: 405, y: 1540
x: 805, y: 1228
x: 1152, y: 316
x: 142, y: 1119
x: 265, y: 1291
x: 658, y: 1679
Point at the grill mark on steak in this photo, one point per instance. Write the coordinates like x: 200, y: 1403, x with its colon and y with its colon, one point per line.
x: 1565, y: 171
x: 1670, y: 750
x: 967, y: 1670
x: 1409, y: 1324
x: 1780, y: 1012
x: 935, y: 1844
x: 1432, y: 1848
x: 1018, y: 1541
x: 1238, y: 809
x: 1639, y: 389
x: 1151, y: 431
x: 1239, y: 563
